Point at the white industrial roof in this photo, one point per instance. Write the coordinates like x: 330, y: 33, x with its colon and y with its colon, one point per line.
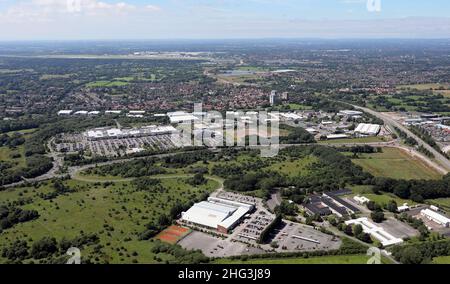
x: 208, y: 214
x: 350, y: 112
x: 228, y: 222
x: 436, y: 216
x: 64, y: 112
x: 176, y: 113
x: 115, y: 132
x: 182, y: 118
x: 82, y: 112
x: 216, y: 212
x: 368, y: 128
x: 377, y: 232
x: 95, y: 133
x: 137, y: 111
x: 291, y: 116
x: 337, y: 136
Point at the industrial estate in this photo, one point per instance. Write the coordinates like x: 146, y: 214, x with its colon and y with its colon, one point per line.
x: 239, y: 151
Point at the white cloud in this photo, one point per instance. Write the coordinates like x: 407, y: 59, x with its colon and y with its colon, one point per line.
x: 51, y: 10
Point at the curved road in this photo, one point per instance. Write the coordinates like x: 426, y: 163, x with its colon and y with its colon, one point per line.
x: 441, y: 159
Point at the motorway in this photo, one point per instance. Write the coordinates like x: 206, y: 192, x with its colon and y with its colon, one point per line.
x: 441, y: 159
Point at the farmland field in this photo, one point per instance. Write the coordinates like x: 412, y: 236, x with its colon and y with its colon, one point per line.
x: 395, y: 163
x: 334, y: 259
x: 372, y: 139
x: 100, y: 84
x: 441, y: 260
x: 117, y: 213
x: 294, y: 167
x: 430, y: 86
x: 12, y: 155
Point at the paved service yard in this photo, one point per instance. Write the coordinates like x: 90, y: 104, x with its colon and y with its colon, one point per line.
x: 216, y: 247
x: 288, y: 239
x: 398, y: 229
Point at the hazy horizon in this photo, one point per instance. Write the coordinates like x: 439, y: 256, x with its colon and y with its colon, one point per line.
x: 217, y: 19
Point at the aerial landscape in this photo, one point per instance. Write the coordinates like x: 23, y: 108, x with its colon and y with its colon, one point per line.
x: 244, y: 148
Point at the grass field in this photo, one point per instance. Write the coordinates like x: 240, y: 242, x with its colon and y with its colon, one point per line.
x: 429, y: 86
x: 441, y: 202
x: 372, y: 139
x: 396, y: 163
x: 6, y: 155
x: 104, y: 84
x: 334, y: 259
x: 441, y: 260
x: 294, y: 167
x: 117, y: 214
x: 383, y: 198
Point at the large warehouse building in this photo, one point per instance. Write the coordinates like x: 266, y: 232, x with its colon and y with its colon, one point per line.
x: 217, y: 213
x: 115, y: 133
x: 368, y: 129
x: 375, y: 231
x: 435, y: 217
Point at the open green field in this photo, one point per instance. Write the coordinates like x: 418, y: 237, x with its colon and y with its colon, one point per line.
x: 294, y: 167
x: 429, y: 86
x: 396, y: 163
x: 253, y: 68
x: 334, y: 259
x: 381, y: 199
x: 25, y: 132
x: 116, y: 213
x: 104, y: 84
x: 7, y: 155
x: 372, y: 139
x: 441, y: 260
x: 441, y: 202
x: 55, y: 76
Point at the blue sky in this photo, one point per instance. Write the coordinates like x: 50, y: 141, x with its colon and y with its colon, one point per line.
x: 168, y: 19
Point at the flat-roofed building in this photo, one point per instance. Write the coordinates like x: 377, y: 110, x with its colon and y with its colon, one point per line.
x: 368, y: 129
x: 116, y: 133
x: 137, y: 112
x: 350, y: 113
x: 65, y: 112
x: 375, y: 231
x: 337, y: 136
x: 217, y: 213
x: 435, y: 217
x: 113, y: 112
x: 181, y: 117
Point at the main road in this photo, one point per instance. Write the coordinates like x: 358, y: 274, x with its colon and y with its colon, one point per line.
x: 441, y: 159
